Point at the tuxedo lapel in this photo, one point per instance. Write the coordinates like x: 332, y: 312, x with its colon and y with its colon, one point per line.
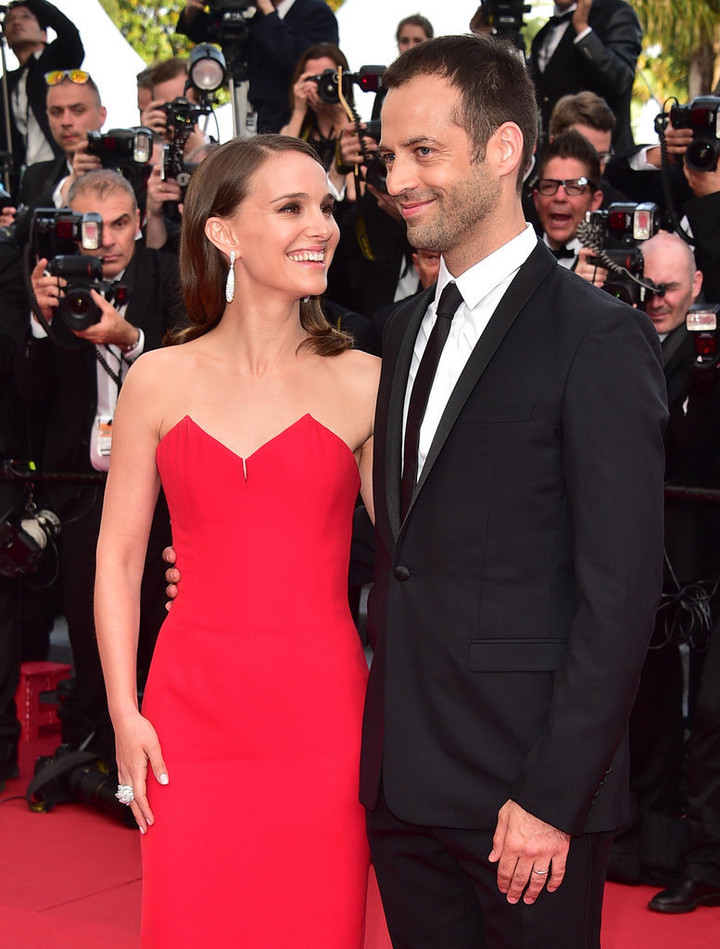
x: 534, y: 270
x: 412, y: 314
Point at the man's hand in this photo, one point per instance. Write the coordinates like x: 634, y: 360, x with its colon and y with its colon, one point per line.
x: 47, y: 289
x: 590, y: 272
x: 530, y: 854
x: 159, y: 191
x: 172, y: 575
x: 80, y: 163
x: 350, y: 146
x: 703, y: 183
x: 7, y: 216
x: 112, y: 328
x: 154, y: 117
x: 580, y: 16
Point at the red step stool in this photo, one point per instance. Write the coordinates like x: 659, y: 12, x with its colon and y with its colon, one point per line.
x: 32, y: 711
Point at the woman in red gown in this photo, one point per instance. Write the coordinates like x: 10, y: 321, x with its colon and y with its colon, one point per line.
x: 242, y: 764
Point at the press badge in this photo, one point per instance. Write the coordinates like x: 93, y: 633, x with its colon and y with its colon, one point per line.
x: 104, y: 431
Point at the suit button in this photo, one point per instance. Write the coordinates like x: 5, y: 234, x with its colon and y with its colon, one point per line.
x: 401, y: 573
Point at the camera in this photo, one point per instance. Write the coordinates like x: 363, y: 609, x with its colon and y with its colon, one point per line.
x: 614, y: 234
x: 181, y: 115
x: 702, y: 115
x: 229, y: 21
x: 334, y: 81
x: 24, y: 538
x: 56, y: 235
x: 702, y: 322
x: 127, y: 151
x: 505, y: 16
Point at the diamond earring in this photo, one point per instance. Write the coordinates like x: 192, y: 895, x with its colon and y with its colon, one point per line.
x: 230, y: 283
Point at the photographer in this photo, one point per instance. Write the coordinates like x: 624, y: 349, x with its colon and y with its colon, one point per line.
x: 73, y: 109
x: 567, y: 187
x: 25, y: 30
x: 168, y: 80
x: 277, y: 35
x: 591, y: 44
x: 79, y: 386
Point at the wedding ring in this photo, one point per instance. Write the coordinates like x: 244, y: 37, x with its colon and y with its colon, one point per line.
x: 125, y: 794
x: 541, y: 872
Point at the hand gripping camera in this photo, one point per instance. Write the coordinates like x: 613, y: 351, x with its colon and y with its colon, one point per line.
x: 181, y: 115
x: 702, y: 115
x: 56, y: 235
x: 614, y: 235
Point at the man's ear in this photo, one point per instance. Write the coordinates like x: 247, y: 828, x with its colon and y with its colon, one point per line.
x: 509, y: 143
x: 597, y: 200
x: 221, y: 235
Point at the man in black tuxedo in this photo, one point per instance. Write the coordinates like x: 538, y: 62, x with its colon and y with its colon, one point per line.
x: 73, y: 109
x: 518, y: 496
x: 278, y: 35
x: 79, y: 385
x: 591, y: 44
x: 25, y: 28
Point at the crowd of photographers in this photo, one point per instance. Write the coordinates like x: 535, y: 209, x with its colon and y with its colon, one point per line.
x: 90, y: 225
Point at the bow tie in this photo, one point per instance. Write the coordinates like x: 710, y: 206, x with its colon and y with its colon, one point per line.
x: 560, y: 18
x: 562, y: 252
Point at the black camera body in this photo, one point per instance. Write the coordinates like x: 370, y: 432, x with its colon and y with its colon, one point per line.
x: 56, y: 235
x: 505, y: 16
x: 615, y: 235
x: 127, y: 151
x: 368, y: 78
x: 181, y: 115
x: 702, y: 115
x: 24, y: 538
x: 229, y: 21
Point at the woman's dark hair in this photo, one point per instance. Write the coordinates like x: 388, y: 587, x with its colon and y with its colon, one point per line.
x: 317, y: 51
x: 217, y: 188
x: 415, y: 20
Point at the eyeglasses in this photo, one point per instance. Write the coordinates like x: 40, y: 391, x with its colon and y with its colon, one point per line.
x: 605, y: 156
x: 573, y: 186
x: 78, y: 76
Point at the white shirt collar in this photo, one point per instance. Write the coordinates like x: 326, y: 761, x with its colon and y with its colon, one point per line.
x: 482, y: 278
x: 282, y: 8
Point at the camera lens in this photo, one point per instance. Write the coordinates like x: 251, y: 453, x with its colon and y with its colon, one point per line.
x: 702, y: 155
x: 78, y: 309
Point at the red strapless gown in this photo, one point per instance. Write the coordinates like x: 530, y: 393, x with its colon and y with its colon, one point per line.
x: 256, y: 691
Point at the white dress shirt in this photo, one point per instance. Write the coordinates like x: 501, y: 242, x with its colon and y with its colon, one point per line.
x: 552, y: 41
x: 482, y: 287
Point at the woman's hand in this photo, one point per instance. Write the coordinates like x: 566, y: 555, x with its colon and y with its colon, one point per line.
x: 136, y: 743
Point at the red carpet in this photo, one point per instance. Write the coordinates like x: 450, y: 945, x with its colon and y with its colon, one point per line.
x: 71, y: 880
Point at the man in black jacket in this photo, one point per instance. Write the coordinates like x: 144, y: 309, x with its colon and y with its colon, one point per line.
x: 25, y: 31
x: 278, y: 35
x: 80, y: 386
x: 591, y: 44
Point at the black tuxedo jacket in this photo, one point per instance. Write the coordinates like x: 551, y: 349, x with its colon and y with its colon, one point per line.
x: 67, y: 379
x: 273, y: 48
x: 40, y: 180
x: 65, y: 52
x: 512, y: 607
x: 603, y: 62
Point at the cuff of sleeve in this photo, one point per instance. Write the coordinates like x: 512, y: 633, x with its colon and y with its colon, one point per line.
x: 134, y: 351
x: 38, y: 332
x: 581, y: 36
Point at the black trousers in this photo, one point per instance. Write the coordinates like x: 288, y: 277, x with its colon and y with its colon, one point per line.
x: 81, y: 516
x: 439, y: 891
x: 702, y: 862
x: 9, y: 672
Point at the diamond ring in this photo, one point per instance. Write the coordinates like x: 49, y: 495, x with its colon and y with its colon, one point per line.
x: 125, y: 794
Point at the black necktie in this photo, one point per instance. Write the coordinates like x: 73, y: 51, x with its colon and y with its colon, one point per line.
x: 562, y: 251
x: 450, y: 300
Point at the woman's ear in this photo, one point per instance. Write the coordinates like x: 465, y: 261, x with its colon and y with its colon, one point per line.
x: 219, y: 233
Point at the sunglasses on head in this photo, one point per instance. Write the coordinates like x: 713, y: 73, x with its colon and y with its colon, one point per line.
x: 78, y: 76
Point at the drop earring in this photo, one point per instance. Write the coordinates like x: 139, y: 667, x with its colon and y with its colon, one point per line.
x: 230, y: 283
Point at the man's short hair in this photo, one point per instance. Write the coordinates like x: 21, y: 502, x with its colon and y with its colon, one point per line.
x: 572, y: 144
x: 168, y: 69
x: 584, y: 108
x: 100, y: 184
x: 417, y: 19
x: 491, y: 78
x: 89, y: 84
x: 38, y: 16
x: 144, y: 80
